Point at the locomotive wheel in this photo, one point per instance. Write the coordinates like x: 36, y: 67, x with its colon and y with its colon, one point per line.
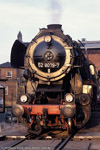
x: 70, y: 126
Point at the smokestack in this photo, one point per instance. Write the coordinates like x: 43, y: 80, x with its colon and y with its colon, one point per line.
x: 55, y: 26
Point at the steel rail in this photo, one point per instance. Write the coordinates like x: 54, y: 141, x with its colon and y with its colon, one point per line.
x: 64, y: 142
x: 20, y: 141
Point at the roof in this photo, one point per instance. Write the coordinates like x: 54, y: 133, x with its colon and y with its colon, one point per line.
x: 90, y: 44
x: 6, y: 65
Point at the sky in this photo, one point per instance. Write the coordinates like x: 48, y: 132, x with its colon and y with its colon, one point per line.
x: 79, y: 18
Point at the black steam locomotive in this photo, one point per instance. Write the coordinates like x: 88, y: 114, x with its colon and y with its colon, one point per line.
x: 60, y: 83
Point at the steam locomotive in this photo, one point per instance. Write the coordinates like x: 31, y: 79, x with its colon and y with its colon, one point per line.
x: 60, y: 83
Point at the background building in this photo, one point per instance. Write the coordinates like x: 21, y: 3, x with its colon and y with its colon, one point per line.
x: 10, y: 78
x: 93, y: 51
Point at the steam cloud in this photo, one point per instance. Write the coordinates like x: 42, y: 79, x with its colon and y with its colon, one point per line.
x: 55, y: 11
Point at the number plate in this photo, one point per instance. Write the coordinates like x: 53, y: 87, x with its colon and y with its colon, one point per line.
x: 48, y: 65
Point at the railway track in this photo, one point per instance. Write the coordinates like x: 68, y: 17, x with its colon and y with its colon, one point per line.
x: 60, y: 145
x: 46, y: 135
x: 34, y: 142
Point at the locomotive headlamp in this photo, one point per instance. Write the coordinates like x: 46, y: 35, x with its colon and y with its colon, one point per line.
x: 23, y: 98
x: 47, y: 39
x: 69, y: 97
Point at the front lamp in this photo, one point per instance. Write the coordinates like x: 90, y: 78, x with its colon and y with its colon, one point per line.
x: 69, y: 98
x: 23, y: 98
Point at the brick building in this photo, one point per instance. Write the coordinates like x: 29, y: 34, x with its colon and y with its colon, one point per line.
x: 93, y: 50
x: 10, y: 78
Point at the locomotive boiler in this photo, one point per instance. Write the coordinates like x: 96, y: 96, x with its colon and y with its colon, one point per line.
x: 60, y: 83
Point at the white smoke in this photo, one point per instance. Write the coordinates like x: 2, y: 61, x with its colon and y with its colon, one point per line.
x: 55, y: 11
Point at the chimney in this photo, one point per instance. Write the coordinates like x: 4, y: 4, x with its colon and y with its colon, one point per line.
x: 55, y: 26
x: 19, y: 36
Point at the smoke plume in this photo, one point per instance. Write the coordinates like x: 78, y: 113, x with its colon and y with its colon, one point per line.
x: 55, y: 11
